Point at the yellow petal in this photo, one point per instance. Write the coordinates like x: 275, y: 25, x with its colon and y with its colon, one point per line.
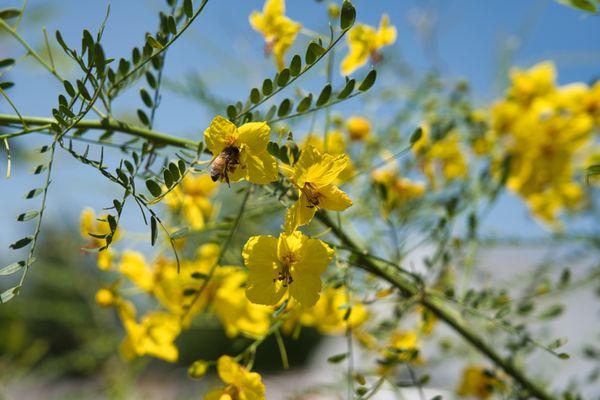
x: 290, y: 244
x: 274, y: 8
x: 133, y: 265
x: 228, y: 369
x: 359, y: 40
x: 260, y: 167
x: 386, y: 34
x: 254, y: 135
x: 327, y: 170
x: 334, y: 199
x: 260, y: 256
x: 306, y: 288
x: 314, y: 257
x: 299, y: 214
x: 257, y: 21
x: 219, y: 134
x: 217, y: 394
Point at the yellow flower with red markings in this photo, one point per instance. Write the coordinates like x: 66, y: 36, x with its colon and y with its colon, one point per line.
x: 240, y: 153
x: 364, y: 42
x: 278, y: 30
x: 293, y: 262
x: 314, y: 176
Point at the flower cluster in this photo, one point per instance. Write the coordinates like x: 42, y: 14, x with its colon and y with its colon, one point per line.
x: 546, y: 131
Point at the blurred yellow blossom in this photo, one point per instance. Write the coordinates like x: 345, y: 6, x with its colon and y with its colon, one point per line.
x: 191, y: 199
x: 294, y: 261
x: 546, y: 132
x: 240, y: 153
x: 396, y: 190
x: 359, y: 128
x: 105, y: 298
x: 134, y: 266
x: 198, y: 369
x: 314, y: 175
x: 364, y: 42
x: 154, y: 336
x: 241, y: 384
x: 171, y: 285
x: 445, y: 154
x: 236, y: 313
x: 278, y: 30
x: 90, y: 224
x: 479, y: 382
x: 328, y: 315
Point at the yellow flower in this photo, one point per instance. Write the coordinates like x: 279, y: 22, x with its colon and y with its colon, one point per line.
x: 240, y: 153
x: 396, y: 190
x: 294, y: 261
x: 547, y: 132
x: 198, y: 369
x: 278, y: 30
x: 445, y: 154
x: 191, y: 198
x: 335, y: 145
x: 89, y: 223
x: 359, y: 128
x: 133, y: 265
x: 236, y: 313
x: 404, y: 346
x: 479, y: 382
x: 537, y: 81
x: 171, y: 285
x: 105, y: 259
x: 154, y: 336
x: 328, y: 315
x: 364, y: 42
x: 241, y: 384
x: 314, y: 175
x: 105, y: 298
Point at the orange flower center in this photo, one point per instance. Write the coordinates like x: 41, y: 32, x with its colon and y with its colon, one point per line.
x: 284, y: 273
x: 312, y: 194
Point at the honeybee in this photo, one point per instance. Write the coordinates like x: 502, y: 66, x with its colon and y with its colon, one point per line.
x: 226, y: 162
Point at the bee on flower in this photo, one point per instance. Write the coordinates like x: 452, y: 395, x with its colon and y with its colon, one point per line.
x: 291, y: 263
x: 278, y: 30
x: 240, y: 153
x: 365, y: 42
x: 314, y: 175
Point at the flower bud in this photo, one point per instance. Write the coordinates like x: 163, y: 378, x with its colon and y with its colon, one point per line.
x: 198, y: 369
x: 105, y: 298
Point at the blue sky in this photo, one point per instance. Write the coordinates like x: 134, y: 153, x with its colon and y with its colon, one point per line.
x: 229, y: 54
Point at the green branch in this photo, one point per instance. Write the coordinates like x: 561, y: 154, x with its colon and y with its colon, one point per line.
x: 104, y: 125
x: 395, y: 277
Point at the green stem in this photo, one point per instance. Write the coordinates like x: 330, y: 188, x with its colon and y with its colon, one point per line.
x: 393, y: 276
x: 110, y: 125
